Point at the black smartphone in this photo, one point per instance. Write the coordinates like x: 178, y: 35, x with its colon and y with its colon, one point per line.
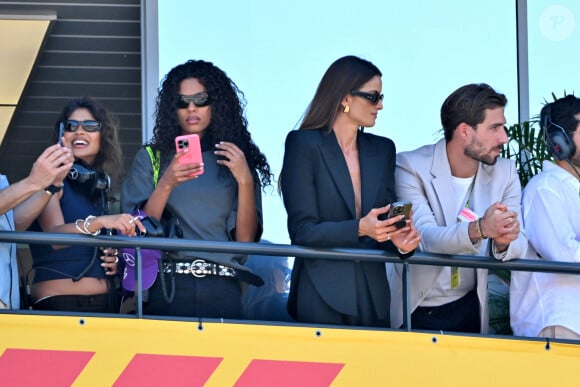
x: 400, y: 208
x: 60, y: 132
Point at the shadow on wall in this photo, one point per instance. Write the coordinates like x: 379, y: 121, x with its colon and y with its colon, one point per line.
x: 268, y: 302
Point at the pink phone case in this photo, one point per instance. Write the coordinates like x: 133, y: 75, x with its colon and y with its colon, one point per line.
x: 193, y: 154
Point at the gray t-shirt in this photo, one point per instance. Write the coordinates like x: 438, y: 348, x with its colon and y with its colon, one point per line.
x: 206, y: 207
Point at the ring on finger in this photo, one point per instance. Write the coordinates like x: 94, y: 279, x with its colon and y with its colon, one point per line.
x: 116, y: 259
x: 388, y: 236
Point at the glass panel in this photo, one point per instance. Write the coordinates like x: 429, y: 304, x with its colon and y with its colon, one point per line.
x: 554, y: 50
x: 277, y: 52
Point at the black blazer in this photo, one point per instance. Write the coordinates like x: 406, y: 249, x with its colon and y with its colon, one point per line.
x: 319, y: 199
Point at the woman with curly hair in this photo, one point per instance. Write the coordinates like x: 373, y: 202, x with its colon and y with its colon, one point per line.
x: 217, y: 200
x: 78, y: 278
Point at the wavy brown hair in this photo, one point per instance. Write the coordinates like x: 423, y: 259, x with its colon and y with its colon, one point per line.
x: 109, y: 160
x: 468, y: 104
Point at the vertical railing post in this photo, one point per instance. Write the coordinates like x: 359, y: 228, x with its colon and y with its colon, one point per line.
x: 406, y: 298
x: 522, y: 37
x: 139, y: 283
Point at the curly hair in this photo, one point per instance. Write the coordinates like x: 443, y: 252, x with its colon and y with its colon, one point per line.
x: 109, y: 160
x: 228, y: 122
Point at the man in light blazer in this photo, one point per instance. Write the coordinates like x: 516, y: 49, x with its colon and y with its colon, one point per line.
x: 466, y: 201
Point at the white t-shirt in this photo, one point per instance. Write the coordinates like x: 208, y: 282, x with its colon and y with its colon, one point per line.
x: 443, y: 292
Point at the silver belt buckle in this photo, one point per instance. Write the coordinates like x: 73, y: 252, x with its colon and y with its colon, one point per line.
x: 198, y: 264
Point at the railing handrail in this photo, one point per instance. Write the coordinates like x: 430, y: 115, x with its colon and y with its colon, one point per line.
x: 250, y: 248
x: 272, y: 249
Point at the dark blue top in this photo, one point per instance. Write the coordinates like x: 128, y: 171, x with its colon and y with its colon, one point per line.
x: 50, y: 264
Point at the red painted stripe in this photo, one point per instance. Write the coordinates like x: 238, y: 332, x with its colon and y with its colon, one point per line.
x: 29, y: 367
x: 167, y: 370
x: 288, y: 373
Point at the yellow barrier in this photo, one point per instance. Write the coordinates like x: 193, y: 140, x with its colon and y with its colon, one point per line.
x: 88, y: 351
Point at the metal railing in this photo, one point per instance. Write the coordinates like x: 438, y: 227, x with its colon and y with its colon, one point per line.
x: 286, y: 251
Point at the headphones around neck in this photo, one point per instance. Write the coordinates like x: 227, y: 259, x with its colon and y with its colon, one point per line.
x: 558, y: 141
x: 91, y: 181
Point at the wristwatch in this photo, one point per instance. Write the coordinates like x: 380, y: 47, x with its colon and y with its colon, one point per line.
x: 52, y: 189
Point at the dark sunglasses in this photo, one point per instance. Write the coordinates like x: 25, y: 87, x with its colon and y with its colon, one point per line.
x: 373, y: 98
x: 88, y: 125
x: 200, y: 100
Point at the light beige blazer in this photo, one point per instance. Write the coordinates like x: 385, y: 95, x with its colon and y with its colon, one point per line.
x: 423, y: 176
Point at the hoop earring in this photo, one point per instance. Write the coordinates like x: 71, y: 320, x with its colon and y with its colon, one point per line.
x: 346, y: 109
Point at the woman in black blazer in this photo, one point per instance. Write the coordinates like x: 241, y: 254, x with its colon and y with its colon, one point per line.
x: 337, y: 182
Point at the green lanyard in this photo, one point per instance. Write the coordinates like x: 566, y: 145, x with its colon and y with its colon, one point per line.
x: 471, y: 190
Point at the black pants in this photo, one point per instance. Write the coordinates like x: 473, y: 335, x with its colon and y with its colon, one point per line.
x: 458, y: 316
x: 100, y: 303
x: 210, y: 296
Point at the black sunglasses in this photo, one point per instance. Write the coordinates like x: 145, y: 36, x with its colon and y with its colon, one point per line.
x: 200, y: 100
x: 88, y: 125
x: 373, y: 98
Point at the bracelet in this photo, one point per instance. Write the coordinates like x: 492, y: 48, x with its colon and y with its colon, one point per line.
x: 478, y: 229
x: 52, y: 189
x: 87, y: 223
x: 403, y: 251
x: 79, y: 227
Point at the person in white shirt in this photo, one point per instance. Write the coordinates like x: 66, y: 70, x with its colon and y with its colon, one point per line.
x: 20, y: 204
x: 548, y: 304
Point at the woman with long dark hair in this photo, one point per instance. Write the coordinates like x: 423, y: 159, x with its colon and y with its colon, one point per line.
x: 79, y: 278
x: 217, y: 200
x: 337, y: 184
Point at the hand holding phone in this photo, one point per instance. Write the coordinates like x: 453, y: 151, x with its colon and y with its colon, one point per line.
x: 190, y: 145
x: 400, y: 208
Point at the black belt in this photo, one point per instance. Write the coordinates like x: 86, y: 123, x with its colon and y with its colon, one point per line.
x: 198, y: 268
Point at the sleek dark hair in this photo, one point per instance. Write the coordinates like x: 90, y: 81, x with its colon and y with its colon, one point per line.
x: 343, y: 76
x: 228, y: 122
x: 561, y: 112
x: 109, y: 160
x: 468, y: 104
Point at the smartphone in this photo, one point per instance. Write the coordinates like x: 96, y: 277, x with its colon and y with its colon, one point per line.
x: 400, y: 208
x: 189, y: 142
x: 60, y: 132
